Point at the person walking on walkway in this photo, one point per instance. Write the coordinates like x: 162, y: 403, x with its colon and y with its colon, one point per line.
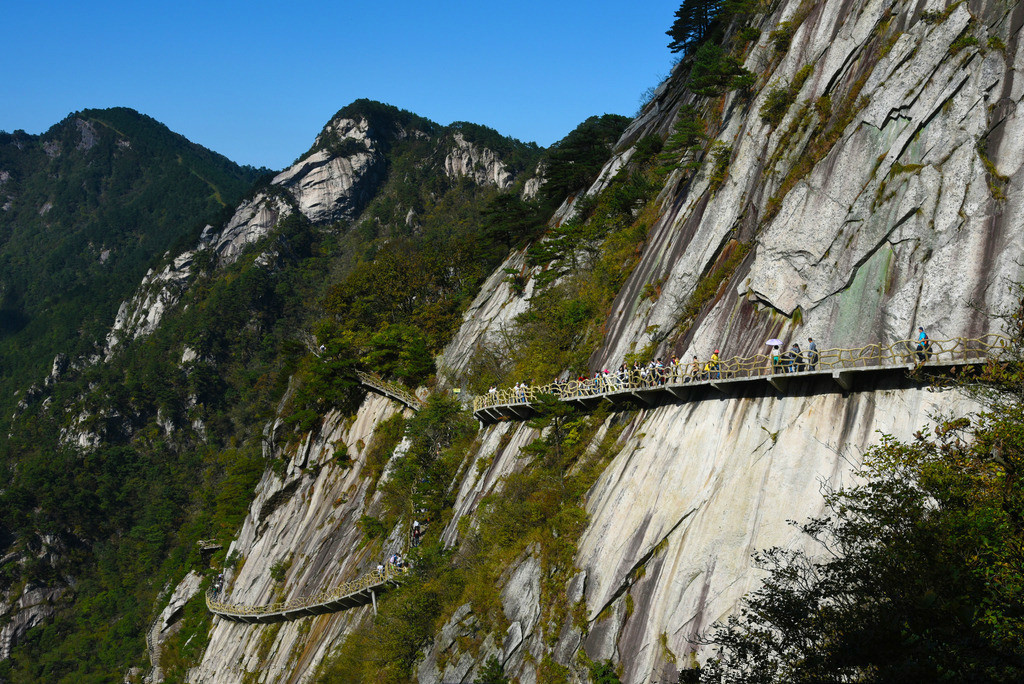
x: 812, y: 354
x: 923, y: 345
x: 715, y: 372
x: 776, y: 360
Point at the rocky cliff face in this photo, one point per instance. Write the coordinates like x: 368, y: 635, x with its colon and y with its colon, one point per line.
x: 304, y: 518
x: 478, y: 163
x: 885, y: 229
x: 885, y: 197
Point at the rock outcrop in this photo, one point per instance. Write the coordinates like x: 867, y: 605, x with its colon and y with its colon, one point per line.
x: 477, y: 163
x: 32, y: 607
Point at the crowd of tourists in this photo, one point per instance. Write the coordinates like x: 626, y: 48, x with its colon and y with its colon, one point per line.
x: 673, y: 370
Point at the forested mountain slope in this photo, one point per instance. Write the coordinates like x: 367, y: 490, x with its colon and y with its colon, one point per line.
x: 85, y: 209
x: 836, y: 170
x: 117, y: 465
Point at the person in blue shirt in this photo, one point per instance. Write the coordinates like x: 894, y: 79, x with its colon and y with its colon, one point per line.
x: 923, y: 345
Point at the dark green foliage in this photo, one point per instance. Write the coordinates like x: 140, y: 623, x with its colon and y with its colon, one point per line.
x: 721, y: 155
x: 714, y: 70
x: 800, y: 77
x: 782, y: 35
x: 328, y: 380
x: 780, y: 97
x: 776, y: 104
x: 700, y: 21
x: 420, y: 479
x: 646, y: 148
x: 279, y: 568
x: 693, y: 19
x: 749, y: 34
x: 574, y: 162
x: 964, y: 41
x: 492, y: 673
x: 687, y: 139
x: 604, y: 673
x: 510, y: 222
x: 373, y: 528
x: 93, y: 202
x: 400, y: 351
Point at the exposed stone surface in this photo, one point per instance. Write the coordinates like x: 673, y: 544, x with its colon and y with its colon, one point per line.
x: 32, y: 607
x: 328, y: 187
x: 891, y: 228
x: 252, y: 221
x: 308, y: 516
x: 480, y: 164
x: 167, y: 622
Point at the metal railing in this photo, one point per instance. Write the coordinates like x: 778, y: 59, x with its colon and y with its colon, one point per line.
x: 371, y: 580
x: 391, y: 389
x: 901, y: 353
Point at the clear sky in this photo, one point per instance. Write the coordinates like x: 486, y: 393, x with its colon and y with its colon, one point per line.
x: 256, y: 81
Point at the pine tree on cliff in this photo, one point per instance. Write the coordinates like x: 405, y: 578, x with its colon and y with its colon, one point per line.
x: 693, y: 18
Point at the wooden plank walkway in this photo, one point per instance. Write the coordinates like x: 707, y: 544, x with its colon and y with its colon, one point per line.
x: 847, y: 368
x: 390, y: 390
x: 359, y: 592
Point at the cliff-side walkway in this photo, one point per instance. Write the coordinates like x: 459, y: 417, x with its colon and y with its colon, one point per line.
x: 358, y: 592
x: 390, y: 389
x: 846, y: 367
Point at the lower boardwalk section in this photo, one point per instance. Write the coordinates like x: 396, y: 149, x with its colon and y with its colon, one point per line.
x: 360, y: 592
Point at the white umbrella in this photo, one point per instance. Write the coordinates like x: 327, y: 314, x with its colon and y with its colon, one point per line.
x: 774, y: 342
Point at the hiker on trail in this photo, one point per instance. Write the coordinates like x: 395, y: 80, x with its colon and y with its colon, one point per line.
x: 796, y: 358
x: 694, y: 369
x: 923, y: 345
x: 812, y: 354
x: 776, y: 360
x: 714, y: 365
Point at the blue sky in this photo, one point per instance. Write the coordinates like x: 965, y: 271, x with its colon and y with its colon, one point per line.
x: 257, y: 80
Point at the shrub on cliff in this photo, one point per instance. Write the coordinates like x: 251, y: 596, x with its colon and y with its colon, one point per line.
x: 714, y: 70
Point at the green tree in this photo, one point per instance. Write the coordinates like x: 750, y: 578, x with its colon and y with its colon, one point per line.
x: 493, y: 672
x: 714, y: 70
x: 575, y: 161
x: 693, y: 19
x: 400, y: 351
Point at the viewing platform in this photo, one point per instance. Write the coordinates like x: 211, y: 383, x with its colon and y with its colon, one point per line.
x: 848, y: 369
x: 358, y: 592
